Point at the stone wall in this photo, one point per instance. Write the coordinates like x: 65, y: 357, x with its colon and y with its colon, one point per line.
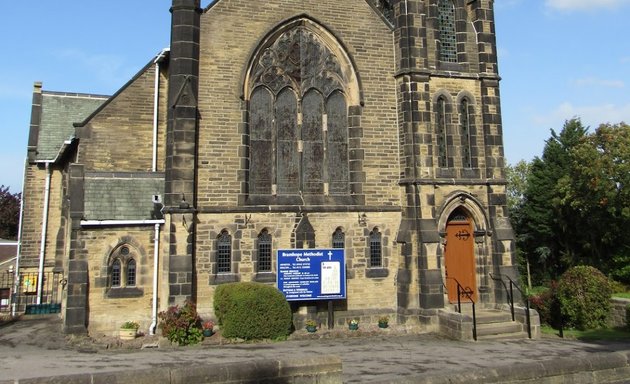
x: 619, y: 312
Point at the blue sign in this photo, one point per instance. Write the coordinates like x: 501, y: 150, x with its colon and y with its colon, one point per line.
x: 312, y: 274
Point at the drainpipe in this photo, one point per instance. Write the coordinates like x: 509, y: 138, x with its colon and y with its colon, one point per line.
x: 156, y: 254
x: 42, y: 250
x: 16, y: 283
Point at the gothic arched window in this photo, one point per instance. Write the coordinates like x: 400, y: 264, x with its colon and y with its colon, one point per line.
x: 465, y: 121
x: 298, y: 119
x: 447, y: 31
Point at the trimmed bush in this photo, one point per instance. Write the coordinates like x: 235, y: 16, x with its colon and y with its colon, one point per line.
x: 628, y: 317
x: 584, y: 295
x: 181, y: 325
x: 252, y: 311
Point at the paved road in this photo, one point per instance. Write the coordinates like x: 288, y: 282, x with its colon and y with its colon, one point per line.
x: 36, y: 348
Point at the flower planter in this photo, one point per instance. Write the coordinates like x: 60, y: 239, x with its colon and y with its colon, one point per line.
x: 208, y: 332
x: 382, y: 325
x: 311, y: 328
x: 353, y: 327
x: 127, y: 334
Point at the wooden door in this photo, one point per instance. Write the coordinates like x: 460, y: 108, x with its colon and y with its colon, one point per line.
x: 459, y: 259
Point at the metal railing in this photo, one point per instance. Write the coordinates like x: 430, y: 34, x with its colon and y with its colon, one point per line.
x: 510, y: 296
x: 21, y: 296
x: 466, y: 292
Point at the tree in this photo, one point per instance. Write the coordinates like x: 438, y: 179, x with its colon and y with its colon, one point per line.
x: 9, y: 213
x: 544, y: 227
x: 597, y: 190
x: 517, y: 176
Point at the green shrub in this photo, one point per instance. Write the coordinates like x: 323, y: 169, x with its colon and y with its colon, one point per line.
x: 252, y: 311
x: 181, y: 325
x: 628, y: 317
x: 584, y: 295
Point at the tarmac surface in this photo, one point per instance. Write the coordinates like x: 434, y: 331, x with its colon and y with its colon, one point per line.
x: 36, y: 347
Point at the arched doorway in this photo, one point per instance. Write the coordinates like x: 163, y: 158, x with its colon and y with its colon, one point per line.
x: 459, y: 256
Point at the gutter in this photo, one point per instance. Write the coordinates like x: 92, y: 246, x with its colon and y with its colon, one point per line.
x: 156, y: 255
x: 104, y: 223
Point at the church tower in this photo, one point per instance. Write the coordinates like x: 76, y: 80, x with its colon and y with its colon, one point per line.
x: 455, y: 227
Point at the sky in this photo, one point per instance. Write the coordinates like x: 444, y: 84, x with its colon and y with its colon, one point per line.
x: 558, y: 59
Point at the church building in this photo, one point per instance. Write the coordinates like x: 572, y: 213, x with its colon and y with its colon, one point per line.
x: 373, y: 126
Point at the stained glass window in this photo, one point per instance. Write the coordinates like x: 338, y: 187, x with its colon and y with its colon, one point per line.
x: 448, y: 37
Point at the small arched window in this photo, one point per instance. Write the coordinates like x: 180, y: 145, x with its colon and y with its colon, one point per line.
x: 447, y: 31
x: 376, y: 249
x: 339, y: 239
x: 224, y: 252
x: 264, y: 251
x: 116, y: 273
x: 131, y: 273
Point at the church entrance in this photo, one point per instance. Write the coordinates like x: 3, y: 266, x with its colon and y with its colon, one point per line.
x: 459, y: 257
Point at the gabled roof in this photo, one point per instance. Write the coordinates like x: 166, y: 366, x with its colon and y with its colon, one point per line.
x: 59, y: 111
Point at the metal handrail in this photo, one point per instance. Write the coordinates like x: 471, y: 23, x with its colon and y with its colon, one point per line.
x: 510, y: 294
x: 461, y: 290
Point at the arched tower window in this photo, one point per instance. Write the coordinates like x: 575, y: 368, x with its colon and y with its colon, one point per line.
x: 442, y: 131
x: 339, y: 239
x: 264, y: 251
x: 447, y: 31
x: 224, y: 252
x: 465, y: 124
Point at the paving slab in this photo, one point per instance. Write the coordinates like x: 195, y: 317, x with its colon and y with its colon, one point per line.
x: 37, y: 348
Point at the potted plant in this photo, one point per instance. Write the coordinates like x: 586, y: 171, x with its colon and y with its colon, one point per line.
x: 353, y: 324
x: 383, y: 322
x: 128, y: 330
x: 311, y: 326
x: 208, y: 328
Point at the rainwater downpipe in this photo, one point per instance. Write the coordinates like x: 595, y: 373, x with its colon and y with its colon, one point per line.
x: 156, y: 255
x: 156, y: 100
x: 16, y: 283
x: 42, y: 249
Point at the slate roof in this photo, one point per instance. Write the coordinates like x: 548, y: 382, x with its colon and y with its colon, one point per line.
x: 59, y: 111
x: 121, y: 196
x: 8, y: 250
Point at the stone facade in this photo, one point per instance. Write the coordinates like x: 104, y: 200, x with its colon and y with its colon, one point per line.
x: 371, y: 123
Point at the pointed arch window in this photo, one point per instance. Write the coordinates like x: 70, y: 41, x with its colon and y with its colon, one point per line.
x: 224, y: 252
x: 447, y: 31
x: 465, y: 119
x: 442, y: 132
x: 339, y: 239
x: 298, y: 119
x: 376, y: 249
x: 264, y: 251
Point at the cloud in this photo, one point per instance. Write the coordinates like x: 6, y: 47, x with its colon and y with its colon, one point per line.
x: 592, y: 115
x: 576, y: 5
x: 595, y: 82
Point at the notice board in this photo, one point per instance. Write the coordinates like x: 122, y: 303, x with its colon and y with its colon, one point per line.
x: 312, y: 274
